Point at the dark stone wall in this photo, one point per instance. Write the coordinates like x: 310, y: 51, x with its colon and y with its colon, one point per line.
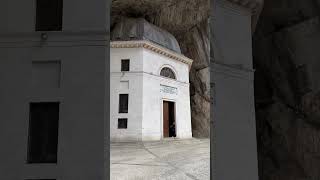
x: 287, y: 90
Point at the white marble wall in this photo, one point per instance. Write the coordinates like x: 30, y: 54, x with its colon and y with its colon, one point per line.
x: 153, y: 98
x: 134, y: 76
x: 145, y: 98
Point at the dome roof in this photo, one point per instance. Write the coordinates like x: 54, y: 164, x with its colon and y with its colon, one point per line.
x: 129, y: 29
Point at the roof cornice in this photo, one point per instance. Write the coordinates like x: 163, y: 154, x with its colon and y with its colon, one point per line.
x: 153, y: 47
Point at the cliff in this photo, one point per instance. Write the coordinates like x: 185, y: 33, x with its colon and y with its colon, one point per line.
x: 287, y: 90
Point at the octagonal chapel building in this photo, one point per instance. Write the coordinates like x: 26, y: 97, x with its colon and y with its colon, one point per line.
x: 149, y: 95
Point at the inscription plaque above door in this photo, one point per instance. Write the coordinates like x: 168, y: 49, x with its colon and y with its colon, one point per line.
x: 168, y: 89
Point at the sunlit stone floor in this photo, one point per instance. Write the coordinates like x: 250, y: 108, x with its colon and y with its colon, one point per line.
x: 162, y: 160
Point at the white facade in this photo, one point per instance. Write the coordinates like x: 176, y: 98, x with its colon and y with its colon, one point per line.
x: 147, y: 90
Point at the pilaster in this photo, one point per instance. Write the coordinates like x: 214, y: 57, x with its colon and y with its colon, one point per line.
x: 232, y: 77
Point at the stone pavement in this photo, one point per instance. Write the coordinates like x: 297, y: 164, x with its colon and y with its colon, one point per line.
x: 162, y: 160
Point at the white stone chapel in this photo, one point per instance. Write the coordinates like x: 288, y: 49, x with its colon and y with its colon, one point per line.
x: 149, y: 83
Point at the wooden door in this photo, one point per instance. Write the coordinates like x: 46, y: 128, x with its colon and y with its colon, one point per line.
x: 165, y: 119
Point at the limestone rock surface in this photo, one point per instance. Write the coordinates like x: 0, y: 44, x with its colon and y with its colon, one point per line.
x: 287, y: 90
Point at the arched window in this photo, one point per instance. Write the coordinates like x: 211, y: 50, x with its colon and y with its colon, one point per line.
x: 167, y: 72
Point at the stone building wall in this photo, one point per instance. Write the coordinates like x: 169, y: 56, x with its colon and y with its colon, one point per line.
x: 187, y: 20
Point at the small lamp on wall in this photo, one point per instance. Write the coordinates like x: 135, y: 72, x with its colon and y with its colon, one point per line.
x: 44, y: 36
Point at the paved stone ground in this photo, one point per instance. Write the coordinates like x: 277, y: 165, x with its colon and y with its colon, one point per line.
x: 162, y: 160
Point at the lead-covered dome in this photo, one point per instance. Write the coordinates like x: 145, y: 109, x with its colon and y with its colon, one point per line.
x: 128, y: 29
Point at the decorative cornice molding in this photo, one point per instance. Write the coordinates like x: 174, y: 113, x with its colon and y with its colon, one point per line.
x: 53, y: 39
x: 153, y: 47
x: 140, y: 73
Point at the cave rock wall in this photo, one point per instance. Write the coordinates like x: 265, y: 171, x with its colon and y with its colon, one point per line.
x: 287, y: 91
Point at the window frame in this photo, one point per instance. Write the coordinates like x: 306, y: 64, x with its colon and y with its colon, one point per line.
x: 120, y: 110
x: 37, y: 26
x: 122, y: 65
x: 169, y: 70
x: 30, y: 159
x: 126, y: 123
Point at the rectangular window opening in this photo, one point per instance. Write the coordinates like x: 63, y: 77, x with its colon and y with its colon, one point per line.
x: 49, y: 15
x: 125, y: 64
x: 122, y: 123
x: 123, y: 103
x: 43, y: 132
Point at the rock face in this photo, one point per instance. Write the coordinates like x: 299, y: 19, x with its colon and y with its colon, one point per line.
x: 175, y: 16
x: 287, y: 90
x: 188, y: 21
x: 196, y: 45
